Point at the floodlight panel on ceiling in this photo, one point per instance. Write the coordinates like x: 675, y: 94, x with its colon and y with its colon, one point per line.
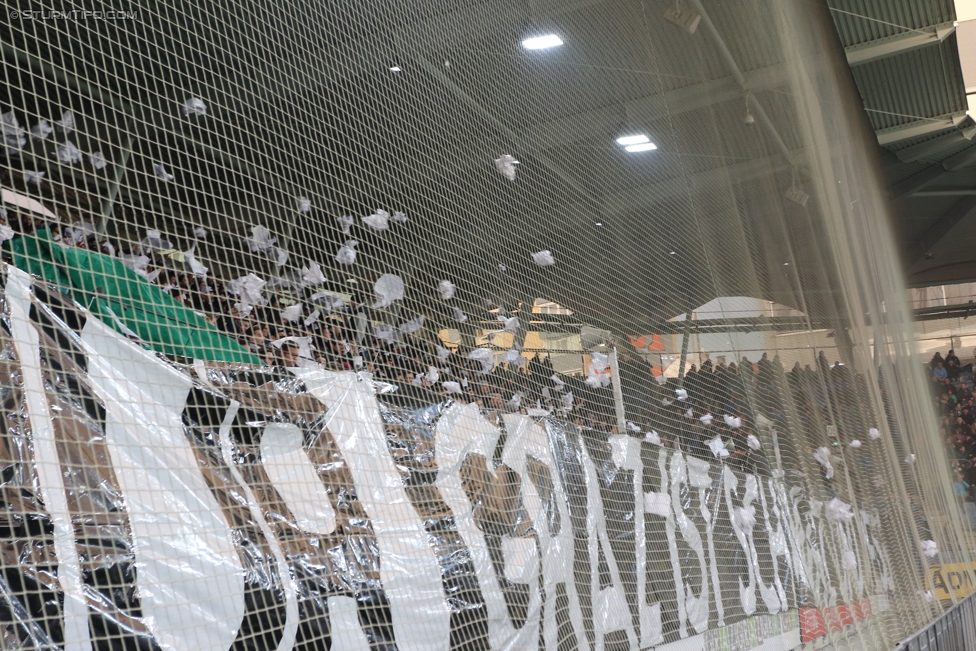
x: 644, y: 146
x: 542, y: 42
x: 632, y: 140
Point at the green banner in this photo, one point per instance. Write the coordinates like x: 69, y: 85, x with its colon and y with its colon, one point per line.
x: 120, y: 297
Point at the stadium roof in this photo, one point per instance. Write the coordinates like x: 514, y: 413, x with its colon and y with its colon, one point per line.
x: 406, y: 106
x: 904, y: 55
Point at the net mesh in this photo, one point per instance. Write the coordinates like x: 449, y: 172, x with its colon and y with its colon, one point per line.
x: 358, y: 326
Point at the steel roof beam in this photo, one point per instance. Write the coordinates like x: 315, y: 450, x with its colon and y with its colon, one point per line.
x: 963, y: 209
x: 740, y: 79
x: 646, y: 196
x: 960, y: 160
x: 932, y: 148
x: 916, y: 182
x: 948, y: 192
x: 601, y: 122
x: 891, y: 45
x: 919, y: 127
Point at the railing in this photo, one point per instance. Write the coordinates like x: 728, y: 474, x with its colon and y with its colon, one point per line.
x: 955, y: 630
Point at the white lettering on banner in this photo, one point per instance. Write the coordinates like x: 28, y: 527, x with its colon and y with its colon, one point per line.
x: 526, y: 439
x: 747, y: 593
x: 461, y: 432
x: 699, y: 473
x: 679, y: 589
x: 696, y: 608
x: 290, y: 629
x: 702, y: 479
x: 792, y: 541
x: 294, y: 477
x: 657, y: 632
x: 883, y: 581
x: 657, y: 504
x: 851, y: 581
x: 768, y: 593
x: 816, y: 549
x: 47, y: 464
x: 184, y: 551
x: 629, y: 452
x: 409, y: 570
x: 810, y: 548
x: 522, y: 566
x: 347, y: 634
x: 610, y: 611
x: 777, y: 542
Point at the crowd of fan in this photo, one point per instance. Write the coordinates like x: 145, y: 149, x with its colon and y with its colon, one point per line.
x: 715, y: 402
x: 955, y: 404
x: 342, y: 337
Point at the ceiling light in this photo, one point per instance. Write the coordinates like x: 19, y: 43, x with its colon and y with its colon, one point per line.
x: 542, y: 42
x: 646, y: 146
x: 786, y: 264
x: 672, y: 253
x: 599, y: 223
x: 683, y: 17
x: 632, y: 140
x: 796, y: 195
x: 749, y: 119
x: 396, y: 69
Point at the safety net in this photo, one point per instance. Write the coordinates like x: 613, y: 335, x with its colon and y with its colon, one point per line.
x: 457, y: 326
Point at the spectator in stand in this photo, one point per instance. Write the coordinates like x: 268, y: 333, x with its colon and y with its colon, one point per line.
x: 963, y: 492
x: 343, y: 339
x: 964, y: 393
x: 952, y: 365
x: 939, y: 373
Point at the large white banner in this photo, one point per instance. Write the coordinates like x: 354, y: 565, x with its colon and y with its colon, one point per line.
x: 306, y: 511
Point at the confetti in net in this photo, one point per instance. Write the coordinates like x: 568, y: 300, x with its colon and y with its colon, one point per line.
x: 246, y: 408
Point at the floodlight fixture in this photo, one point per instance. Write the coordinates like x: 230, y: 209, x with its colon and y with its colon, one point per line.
x: 543, y: 42
x: 632, y: 140
x: 644, y: 146
x: 796, y: 195
x: 683, y: 17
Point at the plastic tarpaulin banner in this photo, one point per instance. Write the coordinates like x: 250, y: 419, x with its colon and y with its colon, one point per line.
x: 220, y: 506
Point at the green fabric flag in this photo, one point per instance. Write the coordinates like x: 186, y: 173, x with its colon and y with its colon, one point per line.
x: 122, y: 299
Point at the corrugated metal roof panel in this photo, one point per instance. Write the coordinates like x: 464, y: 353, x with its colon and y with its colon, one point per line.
x: 918, y: 140
x: 946, y: 151
x: 862, y: 21
x: 897, y: 171
x: 917, y: 84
